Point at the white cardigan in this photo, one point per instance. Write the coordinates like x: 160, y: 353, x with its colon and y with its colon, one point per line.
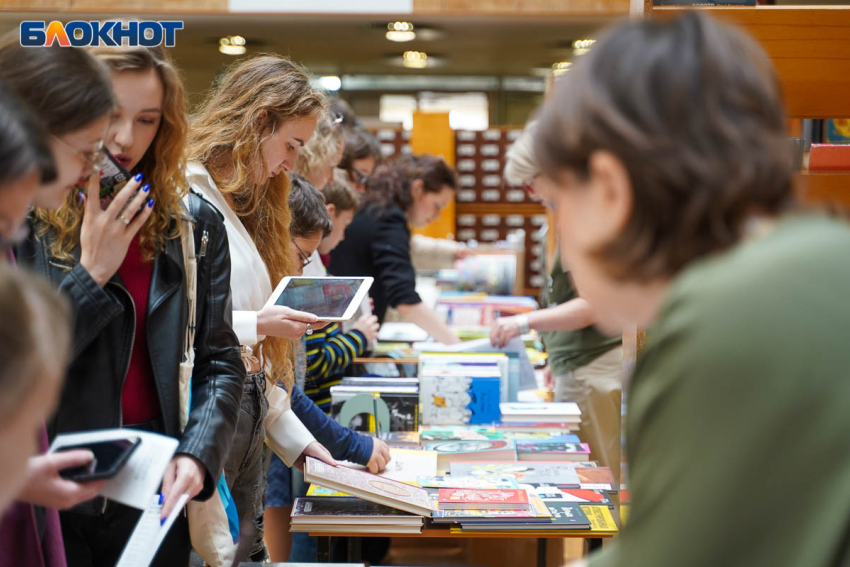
x: 250, y: 287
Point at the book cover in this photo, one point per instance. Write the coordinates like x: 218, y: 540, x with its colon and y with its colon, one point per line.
x: 596, y: 478
x: 368, y: 487
x: 402, y: 403
x: 321, y: 492
x: 550, y: 492
x: 443, y: 516
x: 544, y: 436
x: 478, y: 499
x: 340, y: 511
x: 406, y: 465
x: 450, y: 451
x: 523, y: 412
x: 564, y: 516
x: 399, y: 438
x: 537, y: 450
x: 448, y: 481
x: 389, y: 529
x: 600, y: 518
x: 459, y: 399
x: 433, y: 434
x: 526, y: 472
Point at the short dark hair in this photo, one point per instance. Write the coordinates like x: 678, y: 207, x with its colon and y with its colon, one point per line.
x: 359, y: 144
x: 307, y: 206
x: 693, y: 109
x: 339, y: 108
x: 391, y: 183
x: 341, y: 196
x: 67, y: 89
x: 23, y: 142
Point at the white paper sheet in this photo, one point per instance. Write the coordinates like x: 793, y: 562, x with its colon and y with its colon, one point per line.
x: 140, y: 478
x: 148, y: 535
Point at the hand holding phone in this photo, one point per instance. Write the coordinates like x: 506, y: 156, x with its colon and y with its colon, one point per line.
x: 109, y: 458
x: 45, y: 486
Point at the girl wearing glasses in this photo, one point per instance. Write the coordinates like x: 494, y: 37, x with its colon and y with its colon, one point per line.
x: 244, y: 142
x: 122, y: 266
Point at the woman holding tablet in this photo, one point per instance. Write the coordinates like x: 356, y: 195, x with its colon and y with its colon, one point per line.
x: 243, y: 143
x: 408, y: 191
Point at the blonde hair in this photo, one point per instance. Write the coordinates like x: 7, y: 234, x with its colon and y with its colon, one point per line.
x: 163, y: 165
x: 520, y: 165
x: 35, y: 338
x: 320, y: 150
x: 255, y: 95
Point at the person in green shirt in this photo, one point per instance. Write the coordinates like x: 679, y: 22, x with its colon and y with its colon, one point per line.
x: 584, y: 365
x: 665, y: 156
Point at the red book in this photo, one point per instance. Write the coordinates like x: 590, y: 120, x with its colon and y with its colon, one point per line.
x: 483, y: 499
x: 829, y: 157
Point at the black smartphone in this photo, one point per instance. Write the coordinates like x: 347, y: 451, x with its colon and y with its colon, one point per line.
x: 109, y: 458
x: 114, y: 177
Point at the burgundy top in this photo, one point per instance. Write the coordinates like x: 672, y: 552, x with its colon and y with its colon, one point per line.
x: 139, y: 399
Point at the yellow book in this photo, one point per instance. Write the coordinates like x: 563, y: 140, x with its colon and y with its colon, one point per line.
x: 601, y: 520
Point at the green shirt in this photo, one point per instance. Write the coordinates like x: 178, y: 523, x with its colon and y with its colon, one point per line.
x: 571, y: 349
x: 738, y: 423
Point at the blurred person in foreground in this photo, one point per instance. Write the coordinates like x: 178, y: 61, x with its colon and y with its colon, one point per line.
x: 665, y: 156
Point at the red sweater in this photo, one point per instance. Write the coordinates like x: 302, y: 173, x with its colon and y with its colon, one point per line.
x: 139, y: 399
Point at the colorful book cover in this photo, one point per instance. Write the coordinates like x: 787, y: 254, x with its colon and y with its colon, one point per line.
x: 600, y: 518
x: 552, y: 448
x: 440, y: 516
x: 321, y: 492
x: 544, y: 436
x: 564, y: 515
x: 526, y: 472
x: 450, y: 451
x: 459, y: 399
x: 399, y: 438
x: 472, y: 498
x: 338, y: 510
x: 433, y: 434
x: 596, y: 478
x: 448, y: 481
x: 368, y: 486
x: 550, y: 492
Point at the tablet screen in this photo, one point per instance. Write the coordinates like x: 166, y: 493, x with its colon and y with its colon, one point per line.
x: 322, y: 297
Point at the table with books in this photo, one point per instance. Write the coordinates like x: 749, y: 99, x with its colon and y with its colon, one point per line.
x: 498, y: 470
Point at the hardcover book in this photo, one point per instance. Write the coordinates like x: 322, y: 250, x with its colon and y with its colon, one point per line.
x: 544, y: 411
x: 340, y: 511
x: 451, y: 451
x: 526, y: 472
x: 448, y: 481
x: 547, y: 450
x: 368, y: 487
x: 478, y: 499
x: 433, y: 434
x: 550, y: 492
x: 565, y: 516
x: 469, y: 399
x: 596, y: 478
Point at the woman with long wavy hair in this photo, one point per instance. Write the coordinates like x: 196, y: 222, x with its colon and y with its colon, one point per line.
x: 121, y: 261
x: 244, y: 141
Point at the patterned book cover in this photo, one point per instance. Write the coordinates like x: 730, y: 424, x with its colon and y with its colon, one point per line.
x: 459, y: 399
x: 526, y: 472
x: 550, y: 492
x: 552, y: 448
x: 471, y: 498
x: 596, y: 478
x: 448, y: 481
x: 564, y: 515
x: 368, y: 487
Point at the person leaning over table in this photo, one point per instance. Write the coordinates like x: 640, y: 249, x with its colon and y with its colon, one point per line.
x: 408, y: 191
x: 665, y: 156
x: 584, y: 365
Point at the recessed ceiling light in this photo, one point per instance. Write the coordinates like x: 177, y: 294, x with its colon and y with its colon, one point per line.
x: 582, y: 46
x: 232, y: 45
x: 415, y: 59
x: 400, y: 31
x: 330, y: 83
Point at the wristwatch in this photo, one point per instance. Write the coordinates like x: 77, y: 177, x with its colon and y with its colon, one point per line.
x: 522, y: 323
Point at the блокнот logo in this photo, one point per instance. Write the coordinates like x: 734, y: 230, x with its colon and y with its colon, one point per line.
x: 81, y: 33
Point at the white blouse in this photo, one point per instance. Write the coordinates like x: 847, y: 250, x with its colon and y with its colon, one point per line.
x: 251, y: 287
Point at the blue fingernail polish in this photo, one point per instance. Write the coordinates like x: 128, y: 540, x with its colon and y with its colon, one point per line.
x: 138, y: 177
x: 162, y: 521
x: 146, y: 188
x: 150, y: 204
x: 80, y: 196
x: 161, y: 499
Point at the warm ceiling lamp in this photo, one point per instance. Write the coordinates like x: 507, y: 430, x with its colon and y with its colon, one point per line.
x: 415, y: 59
x: 582, y: 46
x: 232, y: 45
x: 400, y: 31
x: 561, y: 67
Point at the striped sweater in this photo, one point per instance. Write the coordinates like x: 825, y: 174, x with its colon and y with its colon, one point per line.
x: 329, y: 353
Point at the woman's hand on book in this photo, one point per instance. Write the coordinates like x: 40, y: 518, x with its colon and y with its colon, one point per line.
x: 380, y: 456
x: 368, y: 325
x: 504, y: 329
x: 280, y: 321
x: 317, y: 451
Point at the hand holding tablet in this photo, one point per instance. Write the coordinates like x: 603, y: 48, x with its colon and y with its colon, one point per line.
x: 329, y: 298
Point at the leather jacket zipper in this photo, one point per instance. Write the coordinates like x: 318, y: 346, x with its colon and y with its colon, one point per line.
x: 205, y: 240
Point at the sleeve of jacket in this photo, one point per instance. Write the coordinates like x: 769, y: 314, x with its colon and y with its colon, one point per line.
x: 343, y: 443
x: 94, y: 306
x: 285, y: 434
x: 334, y: 352
x: 391, y: 256
x: 219, y: 374
x: 433, y: 253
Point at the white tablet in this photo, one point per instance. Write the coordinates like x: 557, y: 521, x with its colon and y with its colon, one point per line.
x: 329, y: 299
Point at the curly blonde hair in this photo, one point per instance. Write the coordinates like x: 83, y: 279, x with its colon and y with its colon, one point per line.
x: 323, y: 150
x: 252, y: 97
x: 163, y: 165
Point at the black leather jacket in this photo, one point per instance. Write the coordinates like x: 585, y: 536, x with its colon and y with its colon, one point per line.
x: 104, y: 333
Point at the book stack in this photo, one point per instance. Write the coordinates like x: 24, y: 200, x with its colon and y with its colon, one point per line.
x: 400, y: 395
x: 487, y: 450
x: 552, y: 451
x: 351, y: 515
x: 458, y: 389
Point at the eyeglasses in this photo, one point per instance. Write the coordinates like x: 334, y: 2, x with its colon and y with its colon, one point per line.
x: 305, y: 259
x: 358, y: 177
x: 91, y: 157
x: 337, y: 119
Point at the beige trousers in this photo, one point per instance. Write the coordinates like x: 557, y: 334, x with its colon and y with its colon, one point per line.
x: 597, y: 389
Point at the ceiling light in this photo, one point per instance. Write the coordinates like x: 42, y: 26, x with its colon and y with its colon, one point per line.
x: 330, y: 83
x: 561, y: 65
x: 400, y: 31
x: 582, y: 46
x: 232, y: 45
x: 415, y: 59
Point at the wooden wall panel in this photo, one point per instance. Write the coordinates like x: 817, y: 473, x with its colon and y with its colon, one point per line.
x: 810, y: 48
x: 522, y: 7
